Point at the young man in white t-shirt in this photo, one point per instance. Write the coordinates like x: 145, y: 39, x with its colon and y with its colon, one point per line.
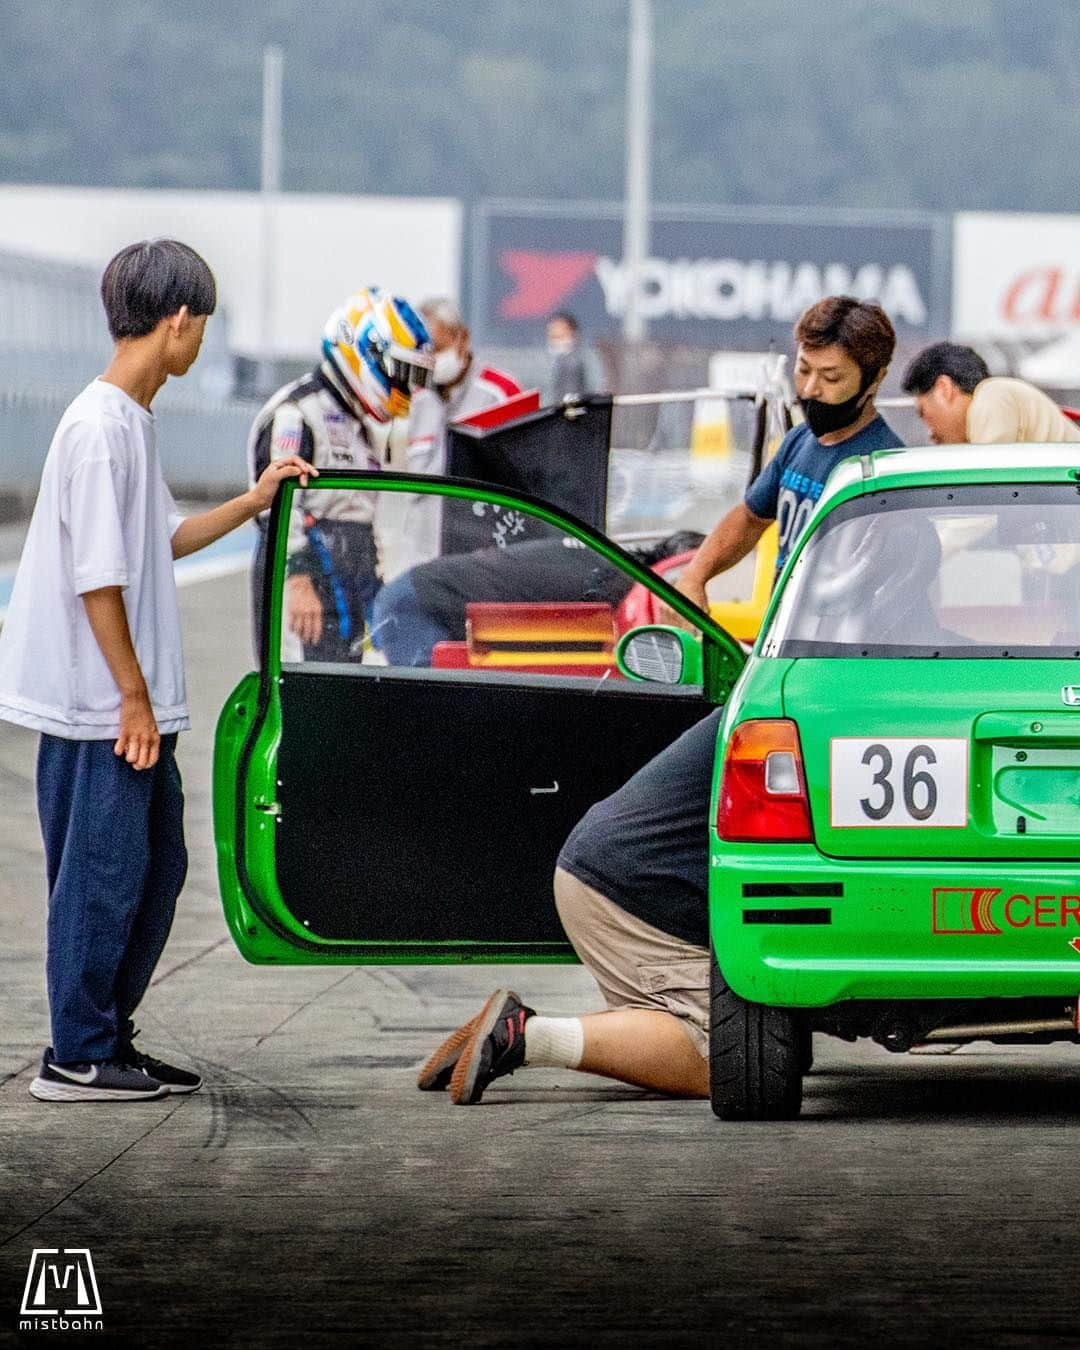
x: 90, y: 657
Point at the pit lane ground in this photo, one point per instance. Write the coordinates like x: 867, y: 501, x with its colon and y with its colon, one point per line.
x: 310, y: 1195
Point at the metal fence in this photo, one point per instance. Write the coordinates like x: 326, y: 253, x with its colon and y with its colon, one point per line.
x: 51, y: 323
x: 53, y: 341
x: 202, y: 445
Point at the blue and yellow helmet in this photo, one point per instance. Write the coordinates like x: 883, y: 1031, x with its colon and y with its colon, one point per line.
x: 380, y: 348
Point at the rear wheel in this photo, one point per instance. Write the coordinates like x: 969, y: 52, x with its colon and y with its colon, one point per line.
x: 757, y: 1056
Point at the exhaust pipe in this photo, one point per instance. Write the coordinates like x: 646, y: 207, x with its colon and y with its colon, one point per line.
x: 980, y: 1031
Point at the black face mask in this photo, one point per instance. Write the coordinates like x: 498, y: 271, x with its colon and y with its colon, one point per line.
x: 823, y: 418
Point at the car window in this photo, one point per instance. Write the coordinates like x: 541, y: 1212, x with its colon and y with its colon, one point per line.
x: 970, y: 571
x: 368, y: 586
x: 682, y: 464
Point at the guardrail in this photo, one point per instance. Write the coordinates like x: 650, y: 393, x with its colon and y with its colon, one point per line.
x: 202, y: 444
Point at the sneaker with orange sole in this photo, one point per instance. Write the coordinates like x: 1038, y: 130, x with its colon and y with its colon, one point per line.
x: 436, y: 1073
x: 495, y: 1047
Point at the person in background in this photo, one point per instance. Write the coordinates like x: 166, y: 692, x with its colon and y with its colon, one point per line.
x: 570, y: 375
x: 962, y: 403
x: 375, y: 351
x: 461, y: 386
x: 408, y: 525
x: 90, y: 657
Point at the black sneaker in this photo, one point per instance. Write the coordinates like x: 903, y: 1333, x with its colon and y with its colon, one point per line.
x: 174, y: 1080
x: 496, y: 1047
x: 107, y: 1082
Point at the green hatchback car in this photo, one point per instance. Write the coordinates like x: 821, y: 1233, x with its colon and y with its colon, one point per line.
x: 895, y: 831
x: 895, y: 841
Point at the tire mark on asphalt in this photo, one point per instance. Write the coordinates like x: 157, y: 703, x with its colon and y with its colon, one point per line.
x: 367, y: 1062
x: 226, y: 1105
x: 87, y: 1180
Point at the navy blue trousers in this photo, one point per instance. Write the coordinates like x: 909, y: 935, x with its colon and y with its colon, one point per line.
x: 116, y: 862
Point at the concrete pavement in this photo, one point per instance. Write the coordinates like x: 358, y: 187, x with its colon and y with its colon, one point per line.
x: 310, y: 1195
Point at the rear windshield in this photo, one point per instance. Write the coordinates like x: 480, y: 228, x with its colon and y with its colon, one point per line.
x: 979, y: 571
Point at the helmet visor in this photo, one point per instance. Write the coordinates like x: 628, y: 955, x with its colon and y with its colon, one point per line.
x: 409, y: 368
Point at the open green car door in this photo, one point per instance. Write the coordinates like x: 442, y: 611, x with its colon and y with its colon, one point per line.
x: 402, y: 793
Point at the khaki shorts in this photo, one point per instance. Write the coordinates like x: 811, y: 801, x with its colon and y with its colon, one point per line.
x: 636, y: 965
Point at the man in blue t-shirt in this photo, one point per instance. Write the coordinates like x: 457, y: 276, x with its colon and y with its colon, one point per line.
x: 631, y: 884
x: 845, y: 347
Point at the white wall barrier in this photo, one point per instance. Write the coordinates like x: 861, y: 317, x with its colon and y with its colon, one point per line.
x: 202, y: 445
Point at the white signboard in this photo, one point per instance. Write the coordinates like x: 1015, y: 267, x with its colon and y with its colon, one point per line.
x: 1015, y: 275
x: 898, y: 781
x: 322, y: 247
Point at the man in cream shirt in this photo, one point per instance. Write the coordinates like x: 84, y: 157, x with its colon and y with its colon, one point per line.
x: 961, y: 402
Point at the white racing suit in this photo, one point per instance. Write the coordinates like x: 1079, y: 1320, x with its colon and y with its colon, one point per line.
x: 330, y: 533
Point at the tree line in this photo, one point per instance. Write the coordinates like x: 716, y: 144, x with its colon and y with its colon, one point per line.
x: 909, y: 104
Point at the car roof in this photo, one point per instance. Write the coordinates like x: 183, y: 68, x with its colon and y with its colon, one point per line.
x: 953, y: 464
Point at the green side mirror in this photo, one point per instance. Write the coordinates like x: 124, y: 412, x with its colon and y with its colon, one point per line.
x: 661, y: 655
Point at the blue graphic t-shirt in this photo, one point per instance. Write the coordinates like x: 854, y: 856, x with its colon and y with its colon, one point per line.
x: 788, y: 487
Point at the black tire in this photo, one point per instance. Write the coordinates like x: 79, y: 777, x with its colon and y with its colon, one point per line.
x: 757, y: 1056
x: 806, y: 1051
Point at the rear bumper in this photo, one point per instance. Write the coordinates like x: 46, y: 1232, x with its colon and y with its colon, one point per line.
x: 795, y: 929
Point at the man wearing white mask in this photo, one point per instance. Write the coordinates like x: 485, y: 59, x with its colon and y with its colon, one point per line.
x: 409, y: 528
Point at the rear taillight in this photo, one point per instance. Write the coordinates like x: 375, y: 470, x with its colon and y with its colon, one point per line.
x: 763, y: 786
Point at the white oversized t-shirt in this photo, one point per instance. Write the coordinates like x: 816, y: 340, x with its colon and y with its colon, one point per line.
x: 103, y: 517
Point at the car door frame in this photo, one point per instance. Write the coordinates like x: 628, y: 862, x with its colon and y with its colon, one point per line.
x: 246, y: 809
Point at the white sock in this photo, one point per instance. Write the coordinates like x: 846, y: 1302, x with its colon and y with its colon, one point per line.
x: 554, y: 1042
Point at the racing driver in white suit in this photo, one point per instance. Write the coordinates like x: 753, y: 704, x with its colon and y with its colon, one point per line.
x: 376, y: 351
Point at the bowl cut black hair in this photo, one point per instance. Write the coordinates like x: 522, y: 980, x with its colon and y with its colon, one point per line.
x: 148, y: 281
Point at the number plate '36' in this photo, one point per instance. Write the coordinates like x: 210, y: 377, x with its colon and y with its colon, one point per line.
x: 899, y: 781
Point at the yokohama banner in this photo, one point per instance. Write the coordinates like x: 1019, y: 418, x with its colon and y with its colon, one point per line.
x: 720, y: 278
x: 1015, y: 275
